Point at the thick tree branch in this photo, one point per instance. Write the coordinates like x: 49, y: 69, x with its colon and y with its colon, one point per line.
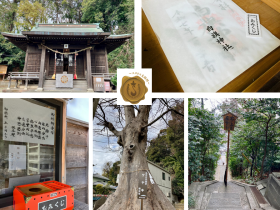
x: 111, y: 127
x: 129, y: 114
x: 170, y: 109
x: 107, y: 124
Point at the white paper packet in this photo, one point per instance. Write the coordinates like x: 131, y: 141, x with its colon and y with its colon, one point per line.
x: 200, y: 62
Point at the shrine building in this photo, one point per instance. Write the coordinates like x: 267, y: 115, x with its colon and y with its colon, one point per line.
x: 53, y: 49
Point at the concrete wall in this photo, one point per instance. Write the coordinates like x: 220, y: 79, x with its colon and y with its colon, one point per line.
x: 77, y: 158
x: 164, y: 185
x: 272, y: 193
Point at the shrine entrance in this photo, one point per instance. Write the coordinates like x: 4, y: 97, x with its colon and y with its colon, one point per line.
x: 59, y: 63
x: 66, y: 60
x: 78, y: 49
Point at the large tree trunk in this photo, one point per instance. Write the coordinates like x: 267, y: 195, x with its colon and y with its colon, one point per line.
x: 266, y: 139
x: 252, y: 166
x: 133, y: 139
x: 190, y: 175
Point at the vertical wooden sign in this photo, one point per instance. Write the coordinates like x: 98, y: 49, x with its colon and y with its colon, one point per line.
x: 229, y: 123
x: 142, y: 184
x: 98, y: 84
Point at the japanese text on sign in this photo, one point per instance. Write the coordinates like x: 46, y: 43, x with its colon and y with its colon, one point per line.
x: 142, y: 185
x: 54, y: 204
x: 24, y: 121
x: 229, y: 123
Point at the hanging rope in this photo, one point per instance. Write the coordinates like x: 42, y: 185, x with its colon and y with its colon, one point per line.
x: 66, y: 53
x: 75, y: 75
x: 53, y: 76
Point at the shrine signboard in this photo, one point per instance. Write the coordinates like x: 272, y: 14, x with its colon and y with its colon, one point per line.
x: 27, y: 122
x: 229, y: 121
x: 3, y: 69
x: 142, y: 184
x: 107, y: 86
x: 98, y: 84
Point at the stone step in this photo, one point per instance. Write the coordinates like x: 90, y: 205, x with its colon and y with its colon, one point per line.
x: 197, y: 190
x: 202, y: 197
x: 54, y: 81
x: 78, y: 86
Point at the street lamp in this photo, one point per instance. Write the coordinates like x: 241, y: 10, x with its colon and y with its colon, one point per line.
x: 229, y: 123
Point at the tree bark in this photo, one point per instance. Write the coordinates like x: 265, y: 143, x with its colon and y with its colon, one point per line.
x: 204, y: 153
x: 190, y: 175
x: 251, y: 172
x: 133, y: 140
x: 11, y: 28
x: 266, y: 138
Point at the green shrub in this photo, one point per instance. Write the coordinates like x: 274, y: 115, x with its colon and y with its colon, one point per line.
x: 114, y: 80
x: 191, y: 201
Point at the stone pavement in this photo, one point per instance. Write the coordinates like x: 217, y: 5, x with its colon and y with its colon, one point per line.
x: 224, y: 197
x: 212, y: 195
x: 220, y: 169
x: 78, y: 205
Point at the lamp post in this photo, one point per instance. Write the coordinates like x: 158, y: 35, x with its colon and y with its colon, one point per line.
x: 229, y: 123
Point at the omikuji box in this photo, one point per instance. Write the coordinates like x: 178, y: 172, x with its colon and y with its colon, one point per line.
x: 50, y: 195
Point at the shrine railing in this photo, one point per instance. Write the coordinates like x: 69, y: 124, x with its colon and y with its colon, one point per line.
x: 107, y: 76
x: 24, y: 75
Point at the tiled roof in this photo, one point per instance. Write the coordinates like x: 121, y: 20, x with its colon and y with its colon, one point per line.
x: 110, y: 186
x: 100, y: 177
x: 68, y: 28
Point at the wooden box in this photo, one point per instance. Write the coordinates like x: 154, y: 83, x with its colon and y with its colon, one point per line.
x: 44, y: 196
x: 98, y: 84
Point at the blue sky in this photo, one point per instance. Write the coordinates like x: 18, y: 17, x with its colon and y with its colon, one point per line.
x: 78, y: 108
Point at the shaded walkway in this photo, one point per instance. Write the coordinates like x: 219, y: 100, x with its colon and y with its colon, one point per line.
x: 220, y: 169
x: 230, y: 197
x: 212, y: 195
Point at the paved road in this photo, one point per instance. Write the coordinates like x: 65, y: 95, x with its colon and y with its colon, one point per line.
x: 220, y: 170
x: 232, y: 197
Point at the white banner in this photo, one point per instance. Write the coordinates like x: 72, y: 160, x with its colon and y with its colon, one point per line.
x: 17, y: 157
x: 24, y: 121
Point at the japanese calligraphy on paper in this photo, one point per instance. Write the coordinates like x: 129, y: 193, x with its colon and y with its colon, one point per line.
x: 17, y: 157
x: 24, y: 121
x: 210, y: 38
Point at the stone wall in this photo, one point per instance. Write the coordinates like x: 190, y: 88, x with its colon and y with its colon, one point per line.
x: 272, y: 193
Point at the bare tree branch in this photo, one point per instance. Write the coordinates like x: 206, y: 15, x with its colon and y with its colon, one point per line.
x: 174, y: 110
x: 156, y: 119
